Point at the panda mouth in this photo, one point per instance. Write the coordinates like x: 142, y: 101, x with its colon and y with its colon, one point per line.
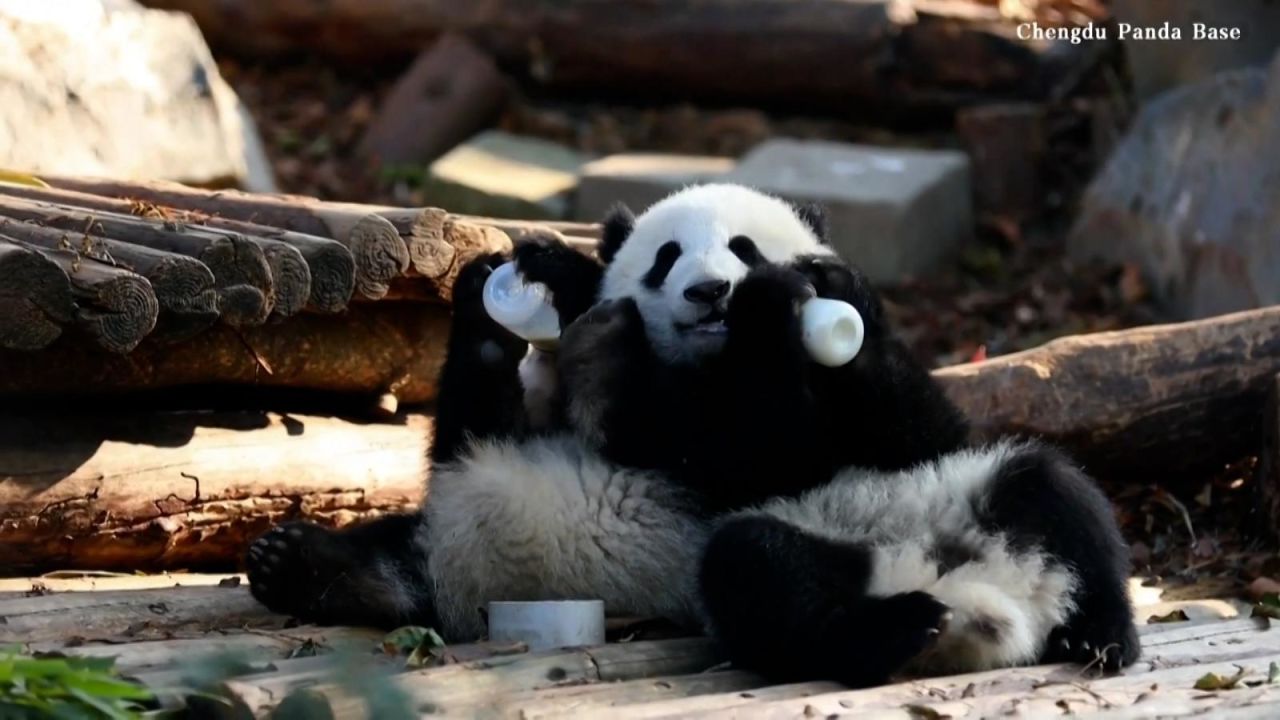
x: 711, y: 324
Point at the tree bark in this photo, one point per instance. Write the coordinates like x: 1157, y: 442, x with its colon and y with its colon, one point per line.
x: 379, y: 253
x: 374, y: 348
x: 240, y: 270
x: 186, y: 490
x: 115, y: 307
x: 448, y: 94
x: 183, y: 286
x: 35, y: 298
x: 330, y: 269
x: 874, y: 60
x: 1267, y: 476
x: 1152, y: 402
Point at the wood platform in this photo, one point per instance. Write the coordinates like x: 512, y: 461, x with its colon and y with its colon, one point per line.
x: 165, y: 636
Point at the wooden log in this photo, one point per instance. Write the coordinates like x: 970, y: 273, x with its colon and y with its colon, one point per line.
x: 115, y: 307
x: 601, y: 699
x: 897, y: 59
x: 183, y: 286
x: 448, y: 94
x: 440, y: 245
x: 519, y: 228
x: 35, y: 298
x: 76, y: 618
x: 1162, y: 401
x: 1267, y: 476
x: 190, y: 490
x: 240, y: 270
x: 462, y: 689
x: 330, y: 267
x: 377, y: 249
x: 372, y: 349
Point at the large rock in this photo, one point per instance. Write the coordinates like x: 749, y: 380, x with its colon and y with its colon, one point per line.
x: 895, y: 212
x: 1158, y: 65
x: 639, y: 180
x: 503, y: 175
x: 1190, y: 196
x: 104, y: 87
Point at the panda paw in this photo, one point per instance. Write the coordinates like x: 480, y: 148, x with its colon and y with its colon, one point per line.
x: 914, y: 622
x: 608, y: 331
x: 767, y: 302
x: 473, y: 330
x: 291, y: 567
x: 572, y: 278
x: 1098, y: 643
x: 830, y: 277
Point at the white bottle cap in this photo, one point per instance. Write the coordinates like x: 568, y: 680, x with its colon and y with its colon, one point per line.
x: 832, y: 331
x: 523, y: 308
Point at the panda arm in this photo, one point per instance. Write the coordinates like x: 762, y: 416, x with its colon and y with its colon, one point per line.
x: 614, y: 389
x: 572, y: 277
x: 882, y: 409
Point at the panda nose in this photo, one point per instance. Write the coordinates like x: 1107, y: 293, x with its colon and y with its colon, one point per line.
x: 707, y: 293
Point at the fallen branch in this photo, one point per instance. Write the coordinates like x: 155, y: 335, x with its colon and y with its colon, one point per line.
x: 1159, y: 401
x: 183, y: 490
x: 115, y: 307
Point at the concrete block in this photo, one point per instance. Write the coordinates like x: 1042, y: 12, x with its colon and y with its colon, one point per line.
x: 639, y: 180
x: 503, y: 175
x: 894, y: 212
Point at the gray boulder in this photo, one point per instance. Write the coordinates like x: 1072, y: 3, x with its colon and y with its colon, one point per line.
x: 1190, y: 196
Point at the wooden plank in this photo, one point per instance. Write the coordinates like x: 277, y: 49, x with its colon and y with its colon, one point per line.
x: 101, y: 580
x: 600, y: 698
x: 139, y: 614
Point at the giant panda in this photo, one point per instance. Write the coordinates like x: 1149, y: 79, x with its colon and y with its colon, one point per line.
x: 692, y: 462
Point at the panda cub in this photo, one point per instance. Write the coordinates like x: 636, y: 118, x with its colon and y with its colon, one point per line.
x: 692, y: 462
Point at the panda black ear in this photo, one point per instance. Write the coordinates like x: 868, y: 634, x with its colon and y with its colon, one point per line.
x: 618, y: 224
x: 815, y: 216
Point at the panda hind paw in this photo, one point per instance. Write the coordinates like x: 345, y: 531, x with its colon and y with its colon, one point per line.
x: 285, y: 573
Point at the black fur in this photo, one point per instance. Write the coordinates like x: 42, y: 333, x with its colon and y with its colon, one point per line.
x: 357, y: 576
x: 618, y: 224
x: 662, y: 262
x: 794, y: 607
x: 1040, y: 499
x: 746, y: 251
x: 815, y: 216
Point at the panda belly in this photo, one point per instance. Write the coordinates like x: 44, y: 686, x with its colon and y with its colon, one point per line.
x: 545, y: 519
x: 925, y: 531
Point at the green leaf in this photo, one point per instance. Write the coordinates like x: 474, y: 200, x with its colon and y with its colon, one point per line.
x: 1214, y: 681
x: 1273, y: 672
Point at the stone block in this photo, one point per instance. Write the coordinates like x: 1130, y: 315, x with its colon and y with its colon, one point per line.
x: 502, y: 175
x: 639, y: 180
x: 894, y: 212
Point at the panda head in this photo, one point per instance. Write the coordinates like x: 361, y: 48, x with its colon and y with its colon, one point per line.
x: 681, y: 259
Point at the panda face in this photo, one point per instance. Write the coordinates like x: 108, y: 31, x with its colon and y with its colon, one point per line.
x: 681, y: 260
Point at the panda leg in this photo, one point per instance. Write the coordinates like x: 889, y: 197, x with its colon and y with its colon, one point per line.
x: 480, y: 392
x: 373, y: 574
x: 793, y: 606
x: 1039, y: 499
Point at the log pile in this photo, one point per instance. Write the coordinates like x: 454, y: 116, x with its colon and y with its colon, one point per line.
x: 162, y: 262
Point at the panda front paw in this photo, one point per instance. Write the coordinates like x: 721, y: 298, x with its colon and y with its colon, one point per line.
x: 291, y: 568
x: 572, y: 278
x: 766, y: 305
x: 1103, y: 643
x: 479, y: 337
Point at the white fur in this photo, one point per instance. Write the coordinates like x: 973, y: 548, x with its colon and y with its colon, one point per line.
x: 1004, y: 602
x: 702, y: 219
x: 547, y: 519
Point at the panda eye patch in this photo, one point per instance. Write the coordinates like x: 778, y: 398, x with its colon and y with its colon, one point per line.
x: 746, y: 250
x: 662, y: 262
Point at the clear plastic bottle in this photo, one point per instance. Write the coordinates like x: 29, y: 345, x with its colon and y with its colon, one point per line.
x: 523, y: 308
x: 832, y: 331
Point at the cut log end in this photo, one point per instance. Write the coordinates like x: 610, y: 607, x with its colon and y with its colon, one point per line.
x: 380, y: 254
x: 242, y: 305
x: 290, y: 278
x: 123, y: 311
x: 35, y: 299
x: 238, y: 263
x: 333, y: 278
